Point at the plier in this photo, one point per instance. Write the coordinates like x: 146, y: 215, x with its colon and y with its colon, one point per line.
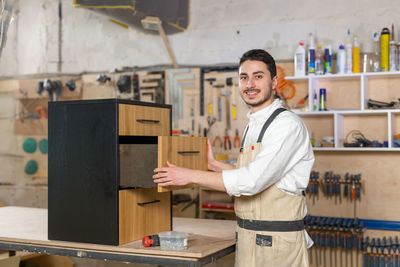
x: 236, y: 141
x: 227, y: 141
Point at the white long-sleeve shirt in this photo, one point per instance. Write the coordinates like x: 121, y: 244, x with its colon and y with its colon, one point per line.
x: 285, y: 158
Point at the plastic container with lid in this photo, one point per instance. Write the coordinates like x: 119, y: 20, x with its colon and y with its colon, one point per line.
x: 173, y: 240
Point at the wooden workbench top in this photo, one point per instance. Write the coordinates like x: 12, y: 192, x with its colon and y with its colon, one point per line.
x: 29, y: 226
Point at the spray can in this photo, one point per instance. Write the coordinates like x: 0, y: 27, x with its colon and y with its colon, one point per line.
x: 300, y: 60
x: 375, y: 61
x: 356, y: 56
x: 328, y: 60
x: 315, y: 101
x: 393, y: 52
x: 322, y: 99
x: 319, y: 60
x: 393, y: 56
x: 349, y: 54
x: 311, y: 56
x: 341, y: 60
x: 385, y: 35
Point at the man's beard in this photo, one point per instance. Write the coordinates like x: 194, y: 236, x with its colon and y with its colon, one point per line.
x: 267, y: 97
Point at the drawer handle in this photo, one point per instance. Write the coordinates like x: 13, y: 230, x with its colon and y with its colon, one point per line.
x: 150, y: 202
x: 188, y: 152
x: 150, y: 121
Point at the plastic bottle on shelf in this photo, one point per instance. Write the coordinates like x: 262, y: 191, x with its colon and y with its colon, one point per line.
x: 315, y: 101
x: 385, y: 35
x: 349, y: 54
x: 341, y: 60
x: 375, y: 60
x: 356, y: 56
x: 328, y: 60
x: 300, y: 60
x: 393, y: 52
x: 311, y: 56
x: 319, y: 60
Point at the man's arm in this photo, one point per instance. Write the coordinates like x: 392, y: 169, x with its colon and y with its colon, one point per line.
x: 174, y: 175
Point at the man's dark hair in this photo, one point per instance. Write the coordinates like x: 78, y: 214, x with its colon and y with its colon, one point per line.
x: 260, y: 55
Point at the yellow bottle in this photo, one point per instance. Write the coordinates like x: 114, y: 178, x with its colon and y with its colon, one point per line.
x: 385, y: 35
x: 356, y: 56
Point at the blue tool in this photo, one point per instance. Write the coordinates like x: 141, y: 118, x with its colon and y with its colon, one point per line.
x: 372, y: 256
x: 365, y: 253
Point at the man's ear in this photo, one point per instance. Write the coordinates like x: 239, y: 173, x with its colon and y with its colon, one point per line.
x: 275, y: 83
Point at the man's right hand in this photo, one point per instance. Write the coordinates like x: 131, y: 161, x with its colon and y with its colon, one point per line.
x: 213, y: 164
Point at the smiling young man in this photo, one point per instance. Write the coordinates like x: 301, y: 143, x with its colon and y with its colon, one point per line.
x: 270, y: 177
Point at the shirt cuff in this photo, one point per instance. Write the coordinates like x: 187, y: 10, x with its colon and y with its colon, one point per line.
x: 229, y: 177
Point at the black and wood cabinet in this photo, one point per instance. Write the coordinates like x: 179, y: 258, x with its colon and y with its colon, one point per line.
x: 101, y: 159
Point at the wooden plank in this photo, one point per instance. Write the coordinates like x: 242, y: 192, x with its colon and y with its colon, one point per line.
x: 137, y: 221
x: 8, y: 86
x: 380, y: 185
x: 22, y: 225
x: 31, y: 126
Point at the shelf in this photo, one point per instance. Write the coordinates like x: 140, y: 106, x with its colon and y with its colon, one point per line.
x: 345, y: 76
x: 347, y: 98
x: 217, y: 210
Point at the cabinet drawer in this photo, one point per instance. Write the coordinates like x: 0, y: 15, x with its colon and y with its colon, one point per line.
x: 143, y: 212
x: 140, y: 155
x: 143, y: 120
x: 188, y: 152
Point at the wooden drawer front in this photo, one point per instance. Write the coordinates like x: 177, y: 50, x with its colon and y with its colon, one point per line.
x: 188, y: 152
x: 138, y: 219
x: 143, y: 120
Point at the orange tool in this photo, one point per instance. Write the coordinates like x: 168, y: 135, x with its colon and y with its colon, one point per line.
x: 236, y: 141
x: 42, y: 112
x: 217, y: 139
x: 227, y: 141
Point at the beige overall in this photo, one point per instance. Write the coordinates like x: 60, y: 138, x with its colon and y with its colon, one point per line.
x: 269, y: 248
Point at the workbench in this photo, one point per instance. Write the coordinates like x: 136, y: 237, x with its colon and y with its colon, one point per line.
x: 25, y: 229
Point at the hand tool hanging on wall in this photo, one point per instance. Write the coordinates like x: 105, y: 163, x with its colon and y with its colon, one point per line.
x: 236, y: 141
x: 232, y: 86
x: 227, y: 94
x: 227, y: 141
x: 210, y: 122
x: 53, y: 87
x: 210, y: 95
x: 102, y: 78
x: 176, y: 77
x: 218, y: 87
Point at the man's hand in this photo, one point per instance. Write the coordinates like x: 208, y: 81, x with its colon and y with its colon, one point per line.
x: 173, y: 175
x: 178, y: 176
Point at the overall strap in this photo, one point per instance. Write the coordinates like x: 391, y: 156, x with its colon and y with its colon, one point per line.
x: 268, y: 122
x: 264, y: 128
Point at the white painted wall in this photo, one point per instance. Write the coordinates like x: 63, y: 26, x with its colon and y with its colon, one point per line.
x: 219, y: 32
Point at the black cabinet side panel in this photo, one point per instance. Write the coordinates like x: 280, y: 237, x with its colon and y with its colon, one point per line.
x: 83, y: 173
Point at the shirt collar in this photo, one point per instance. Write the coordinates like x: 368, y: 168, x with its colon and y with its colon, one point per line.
x: 264, y: 113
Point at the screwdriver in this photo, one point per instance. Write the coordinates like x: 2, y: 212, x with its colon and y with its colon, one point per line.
x: 372, y: 256
x: 346, y: 185
x: 396, y: 245
x: 365, y: 246
x: 382, y: 256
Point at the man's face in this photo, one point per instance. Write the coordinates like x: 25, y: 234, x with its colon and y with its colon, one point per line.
x: 256, y: 86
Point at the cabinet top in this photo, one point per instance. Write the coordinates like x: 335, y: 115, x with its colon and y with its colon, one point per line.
x: 109, y: 100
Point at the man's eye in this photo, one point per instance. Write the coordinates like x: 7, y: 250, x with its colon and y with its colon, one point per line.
x: 259, y: 76
x: 243, y: 78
